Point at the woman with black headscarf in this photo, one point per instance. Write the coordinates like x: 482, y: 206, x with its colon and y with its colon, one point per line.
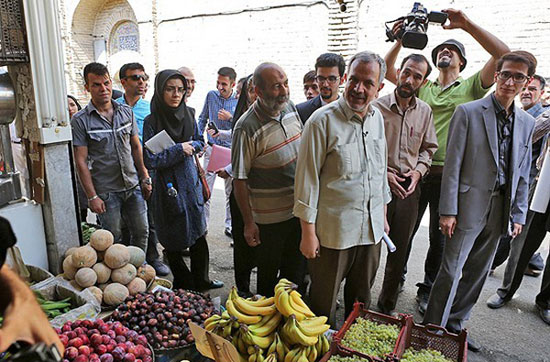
x: 179, y: 215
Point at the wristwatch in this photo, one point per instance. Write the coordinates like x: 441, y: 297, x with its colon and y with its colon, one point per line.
x: 147, y: 181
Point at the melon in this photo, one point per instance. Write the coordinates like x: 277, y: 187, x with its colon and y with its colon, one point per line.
x: 137, y: 256
x: 124, y: 275
x: 84, y: 257
x: 116, y: 256
x: 137, y: 286
x: 103, y: 272
x: 147, y: 273
x: 115, y: 293
x: 68, y: 269
x: 75, y: 285
x: 85, y: 277
x: 97, y: 293
x: 70, y: 251
x: 101, y: 239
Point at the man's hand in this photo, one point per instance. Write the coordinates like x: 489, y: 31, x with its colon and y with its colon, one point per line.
x: 415, y: 176
x: 224, y: 115
x: 222, y: 173
x: 24, y: 320
x: 97, y: 206
x: 309, y: 246
x: 395, y: 187
x: 517, y: 230
x: 447, y: 225
x: 188, y: 148
x: 386, y: 225
x: 396, y: 28
x: 252, y: 234
x: 457, y: 19
x: 212, y: 133
x: 146, y: 190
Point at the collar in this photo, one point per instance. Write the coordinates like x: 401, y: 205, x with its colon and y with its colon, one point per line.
x: 220, y: 95
x: 90, y: 107
x: 139, y: 101
x: 499, y: 109
x: 349, y: 113
x: 393, y: 101
x: 457, y: 81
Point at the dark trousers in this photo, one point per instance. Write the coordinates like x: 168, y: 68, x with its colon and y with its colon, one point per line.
x: 402, y: 215
x: 244, y: 259
x: 430, y: 191
x: 532, y: 236
x: 197, y: 278
x: 278, y: 255
x: 357, y: 265
x: 152, y: 252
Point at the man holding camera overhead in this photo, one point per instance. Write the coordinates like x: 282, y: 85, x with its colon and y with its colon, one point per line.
x: 443, y: 95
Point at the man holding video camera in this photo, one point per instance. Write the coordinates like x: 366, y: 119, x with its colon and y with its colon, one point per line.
x: 443, y: 95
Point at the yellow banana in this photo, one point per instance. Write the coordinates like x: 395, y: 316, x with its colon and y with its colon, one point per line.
x: 271, y: 357
x: 302, y: 356
x: 262, y: 302
x: 296, y: 334
x: 241, y: 346
x: 227, y: 330
x: 211, y: 322
x: 252, y: 357
x: 289, y: 357
x: 314, y: 321
x: 243, y: 318
x: 251, y: 350
x: 281, y: 348
x: 313, y: 331
x: 262, y: 342
x: 268, y: 327
x: 312, y: 354
x: 298, y: 304
x: 246, y: 308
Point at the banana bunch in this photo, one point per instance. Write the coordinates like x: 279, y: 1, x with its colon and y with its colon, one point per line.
x: 223, y: 325
x: 297, y: 354
x: 296, y: 335
x: 248, y: 311
x: 252, y: 339
x: 278, y: 348
x: 289, y: 301
x: 255, y: 354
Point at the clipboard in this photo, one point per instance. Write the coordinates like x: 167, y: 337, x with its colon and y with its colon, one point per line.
x: 159, y: 142
x: 219, y: 158
x: 213, y: 346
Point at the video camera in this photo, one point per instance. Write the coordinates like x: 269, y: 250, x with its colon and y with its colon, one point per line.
x: 415, y: 24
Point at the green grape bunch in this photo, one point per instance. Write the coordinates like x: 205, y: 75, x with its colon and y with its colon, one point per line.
x: 345, y: 359
x: 371, y: 338
x: 424, y: 355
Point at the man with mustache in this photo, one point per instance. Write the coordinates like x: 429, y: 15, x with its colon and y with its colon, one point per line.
x: 443, y: 95
x: 484, y: 191
x: 342, y: 190
x: 109, y: 159
x: 329, y: 69
x: 411, y: 143
x: 265, y: 147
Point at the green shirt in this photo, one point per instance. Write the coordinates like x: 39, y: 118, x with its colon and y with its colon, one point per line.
x: 444, y: 102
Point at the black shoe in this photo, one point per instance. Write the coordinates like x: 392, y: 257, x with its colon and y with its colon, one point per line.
x: 544, y: 314
x: 228, y: 232
x: 422, y: 301
x: 529, y: 271
x: 401, y: 287
x: 495, y: 301
x: 214, y: 284
x: 473, y: 345
x: 161, y: 268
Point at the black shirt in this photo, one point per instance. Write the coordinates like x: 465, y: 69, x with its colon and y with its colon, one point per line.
x: 505, y: 124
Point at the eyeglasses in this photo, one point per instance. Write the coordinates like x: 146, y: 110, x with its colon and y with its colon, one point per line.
x: 137, y: 77
x: 331, y: 79
x: 172, y: 89
x: 516, y: 77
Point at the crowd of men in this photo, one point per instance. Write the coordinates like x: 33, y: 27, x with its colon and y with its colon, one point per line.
x: 319, y: 185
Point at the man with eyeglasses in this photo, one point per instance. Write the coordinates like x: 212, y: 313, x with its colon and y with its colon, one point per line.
x: 484, y: 190
x: 134, y: 81
x: 443, y: 95
x: 330, y: 69
x: 218, y: 109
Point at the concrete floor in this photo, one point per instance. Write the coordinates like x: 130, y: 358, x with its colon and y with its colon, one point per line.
x: 512, y: 333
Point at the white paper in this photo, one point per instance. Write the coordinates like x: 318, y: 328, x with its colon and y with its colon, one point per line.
x: 159, y: 142
x: 542, y: 190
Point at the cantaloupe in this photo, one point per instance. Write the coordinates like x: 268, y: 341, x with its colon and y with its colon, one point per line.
x: 137, y: 286
x: 115, y: 293
x: 68, y: 269
x: 103, y: 272
x: 137, y: 256
x: 97, y: 293
x: 84, y: 257
x: 147, y: 273
x: 124, y: 275
x: 85, y: 277
x: 101, y: 239
x: 70, y: 251
x: 116, y: 256
x: 75, y: 285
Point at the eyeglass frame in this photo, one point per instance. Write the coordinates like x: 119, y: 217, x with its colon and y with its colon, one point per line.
x: 327, y: 79
x: 137, y: 77
x: 501, y: 76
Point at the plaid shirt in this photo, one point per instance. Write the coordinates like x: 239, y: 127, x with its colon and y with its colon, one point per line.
x: 212, y: 105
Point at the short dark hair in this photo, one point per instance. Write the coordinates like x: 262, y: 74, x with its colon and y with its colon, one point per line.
x: 95, y: 68
x: 228, y: 72
x: 417, y: 58
x: 129, y: 66
x: 519, y: 56
x: 331, y: 60
x: 541, y: 79
x: 309, y: 76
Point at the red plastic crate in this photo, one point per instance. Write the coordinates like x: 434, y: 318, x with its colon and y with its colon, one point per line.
x: 359, y: 311
x: 335, y: 350
x: 434, y: 337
